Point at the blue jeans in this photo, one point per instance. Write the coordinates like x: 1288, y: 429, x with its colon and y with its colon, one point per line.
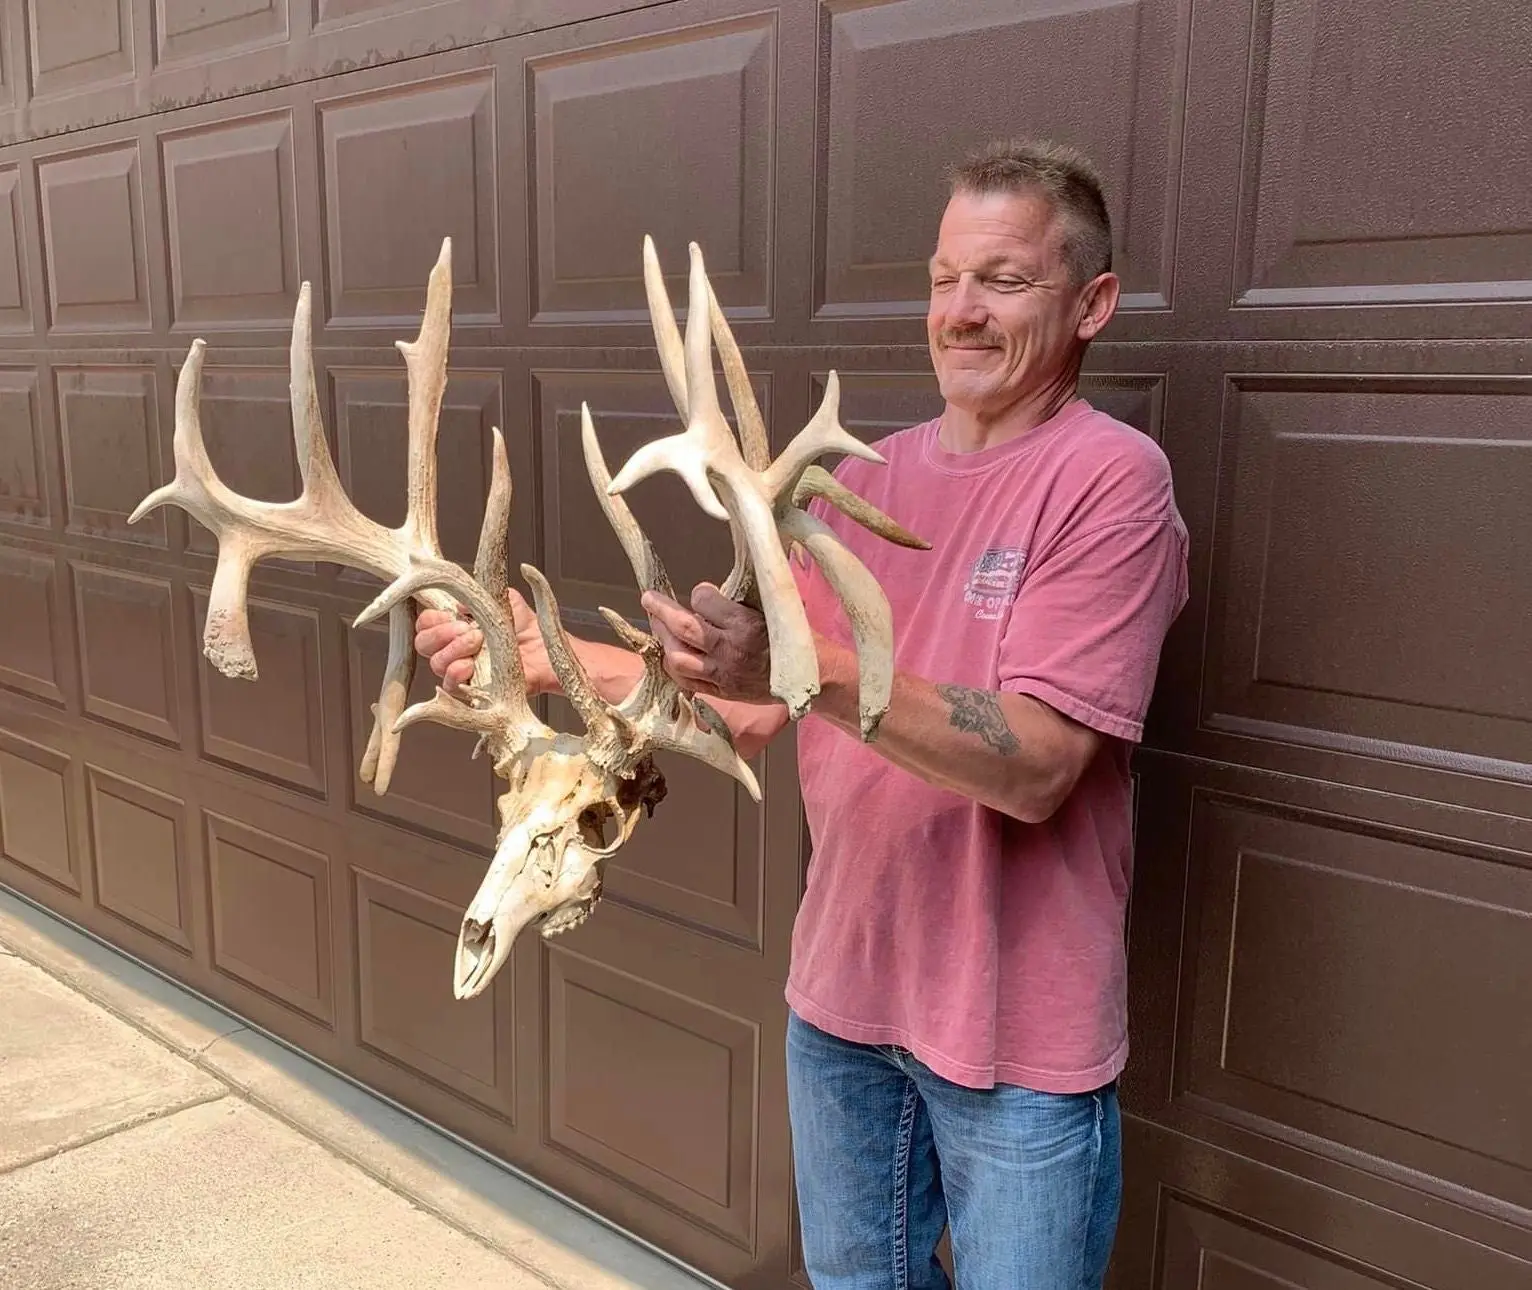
x: 887, y: 1154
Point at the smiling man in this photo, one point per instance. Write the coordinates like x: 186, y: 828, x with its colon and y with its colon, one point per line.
x: 958, y: 1013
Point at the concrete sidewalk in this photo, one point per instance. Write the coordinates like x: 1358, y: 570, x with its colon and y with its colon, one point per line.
x: 148, y: 1140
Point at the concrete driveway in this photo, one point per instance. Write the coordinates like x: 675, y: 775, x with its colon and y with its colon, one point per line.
x: 148, y: 1140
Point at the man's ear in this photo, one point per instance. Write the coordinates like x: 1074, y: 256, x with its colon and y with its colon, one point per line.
x: 1099, y: 303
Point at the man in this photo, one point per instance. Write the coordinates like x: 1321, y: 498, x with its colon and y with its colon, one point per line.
x: 957, y: 991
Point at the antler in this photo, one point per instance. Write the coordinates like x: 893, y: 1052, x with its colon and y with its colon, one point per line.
x: 564, y: 793
x: 323, y: 524
x: 762, y: 499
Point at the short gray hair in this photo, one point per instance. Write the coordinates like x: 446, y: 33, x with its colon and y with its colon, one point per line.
x: 1064, y: 176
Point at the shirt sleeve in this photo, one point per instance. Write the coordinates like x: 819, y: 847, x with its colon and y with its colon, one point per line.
x: 1085, y: 631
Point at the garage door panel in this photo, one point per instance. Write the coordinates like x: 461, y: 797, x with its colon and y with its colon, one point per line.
x: 406, y: 927
x: 1196, y: 1215
x: 1348, y: 982
x: 1355, y: 595
x: 116, y: 449
x: 125, y: 624
x: 193, y: 29
x: 38, y: 796
x: 232, y: 222
x: 145, y: 866
x: 404, y: 167
x: 272, y: 924
x: 15, y: 285
x: 1223, y: 1251
x: 29, y: 484
x: 1333, y: 465
x: 108, y: 60
x: 629, y: 1064
x: 1337, y: 164
x: 96, y: 239
x: 12, y: 57
x: 31, y: 650
x: 583, y: 558
x: 80, y: 46
x: 881, y: 169
x: 1341, y: 209
x: 664, y: 108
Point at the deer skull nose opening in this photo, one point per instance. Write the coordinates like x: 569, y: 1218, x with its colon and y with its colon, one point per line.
x: 475, y: 958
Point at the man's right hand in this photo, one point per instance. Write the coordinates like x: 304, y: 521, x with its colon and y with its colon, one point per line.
x: 450, y: 644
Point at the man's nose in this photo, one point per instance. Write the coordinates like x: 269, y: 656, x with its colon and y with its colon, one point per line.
x: 966, y: 305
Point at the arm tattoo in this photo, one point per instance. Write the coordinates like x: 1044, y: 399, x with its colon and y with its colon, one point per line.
x: 978, y: 712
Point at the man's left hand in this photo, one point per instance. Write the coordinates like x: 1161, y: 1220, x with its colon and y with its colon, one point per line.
x: 717, y: 647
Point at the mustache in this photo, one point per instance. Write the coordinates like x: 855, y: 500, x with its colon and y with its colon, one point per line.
x: 969, y: 336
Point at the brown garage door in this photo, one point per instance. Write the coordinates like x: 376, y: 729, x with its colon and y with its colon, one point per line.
x: 1325, y: 230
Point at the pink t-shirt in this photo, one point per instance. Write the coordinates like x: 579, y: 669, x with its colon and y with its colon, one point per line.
x: 992, y: 949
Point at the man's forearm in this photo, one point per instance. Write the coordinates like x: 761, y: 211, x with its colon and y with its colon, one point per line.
x: 1007, y: 751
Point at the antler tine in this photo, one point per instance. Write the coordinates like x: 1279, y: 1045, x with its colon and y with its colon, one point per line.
x: 425, y: 361
x: 867, y: 610
x: 573, y: 680
x: 755, y: 446
x: 656, y: 711
x: 382, y: 750
x: 706, y: 455
x: 489, y: 565
x: 648, y: 569
x: 816, y: 481
x: 667, y: 336
x: 824, y: 433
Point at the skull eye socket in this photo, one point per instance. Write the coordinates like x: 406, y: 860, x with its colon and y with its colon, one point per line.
x: 594, y: 823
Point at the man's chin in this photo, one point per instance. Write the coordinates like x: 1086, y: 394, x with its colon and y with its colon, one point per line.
x: 965, y: 390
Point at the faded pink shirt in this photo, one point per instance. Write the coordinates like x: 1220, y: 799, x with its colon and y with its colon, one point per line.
x: 991, y: 949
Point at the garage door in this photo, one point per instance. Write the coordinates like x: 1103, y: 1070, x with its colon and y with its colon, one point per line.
x: 1325, y: 234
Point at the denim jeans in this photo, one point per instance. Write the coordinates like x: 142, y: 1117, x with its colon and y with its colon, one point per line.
x: 887, y: 1154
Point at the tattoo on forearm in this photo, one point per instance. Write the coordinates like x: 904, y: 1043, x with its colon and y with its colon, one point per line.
x: 978, y: 712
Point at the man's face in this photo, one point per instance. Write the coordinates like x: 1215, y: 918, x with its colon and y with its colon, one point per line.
x: 1006, y: 317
